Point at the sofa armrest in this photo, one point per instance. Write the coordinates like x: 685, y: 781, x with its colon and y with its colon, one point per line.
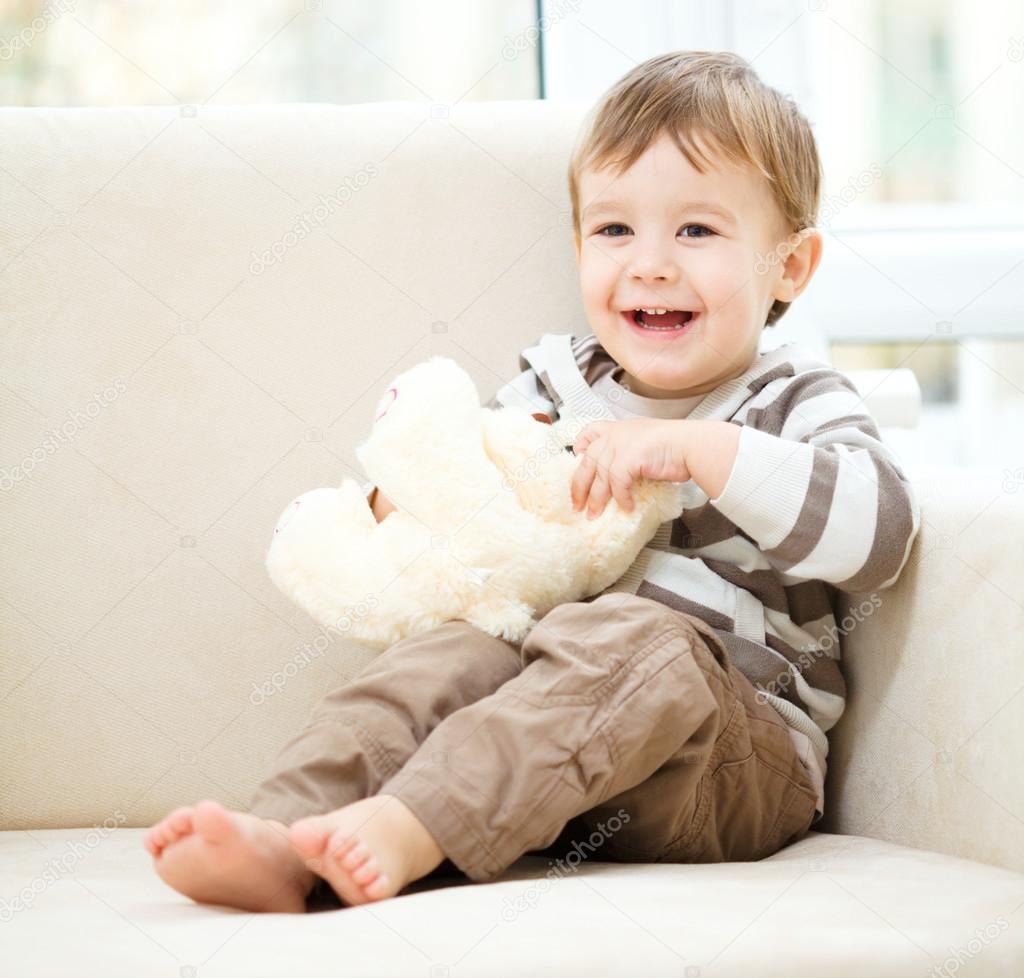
x: 892, y: 397
x: 930, y: 748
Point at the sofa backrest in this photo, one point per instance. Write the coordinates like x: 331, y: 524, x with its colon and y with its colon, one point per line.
x: 201, y: 308
x: 200, y: 312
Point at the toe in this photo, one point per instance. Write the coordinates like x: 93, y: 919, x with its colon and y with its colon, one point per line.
x: 378, y: 888
x: 367, y: 873
x: 174, y: 826
x: 340, y: 845
x: 214, y: 823
x: 180, y: 821
x: 309, y: 836
x: 172, y: 816
x: 334, y: 846
x: 354, y: 858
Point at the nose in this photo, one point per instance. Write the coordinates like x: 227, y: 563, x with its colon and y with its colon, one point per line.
x: 651, y: 261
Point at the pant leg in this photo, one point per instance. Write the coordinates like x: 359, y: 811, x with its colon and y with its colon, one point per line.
x: 614, y: 693
x: 361, y: 733
x: 752, y: 798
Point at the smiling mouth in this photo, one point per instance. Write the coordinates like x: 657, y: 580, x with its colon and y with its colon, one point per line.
x: 668, y: 320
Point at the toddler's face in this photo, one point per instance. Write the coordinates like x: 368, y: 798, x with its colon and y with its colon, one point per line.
x: 652, y: 239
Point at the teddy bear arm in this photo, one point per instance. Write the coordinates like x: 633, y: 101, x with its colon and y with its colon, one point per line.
x: 506, y: 619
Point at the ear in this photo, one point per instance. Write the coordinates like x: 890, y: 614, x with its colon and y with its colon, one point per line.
x: 576, y: 242
x: 800, y: 264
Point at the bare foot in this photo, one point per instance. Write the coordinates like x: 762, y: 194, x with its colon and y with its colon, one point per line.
x: 368, y: 850
x: 235, y: 859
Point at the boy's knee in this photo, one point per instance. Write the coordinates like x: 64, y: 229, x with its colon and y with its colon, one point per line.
x: 588, y: 647
x: 599, y: 637
x: 616, y: 620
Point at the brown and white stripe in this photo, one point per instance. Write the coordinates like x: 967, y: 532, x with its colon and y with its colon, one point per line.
x: 815, y: 504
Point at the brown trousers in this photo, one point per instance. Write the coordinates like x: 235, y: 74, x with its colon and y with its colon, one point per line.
x: 619, y: 721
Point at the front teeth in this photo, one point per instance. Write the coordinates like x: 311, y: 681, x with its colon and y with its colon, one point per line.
x: 657, y: 312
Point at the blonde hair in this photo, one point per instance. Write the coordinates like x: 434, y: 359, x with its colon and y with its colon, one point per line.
x: 718, y: 97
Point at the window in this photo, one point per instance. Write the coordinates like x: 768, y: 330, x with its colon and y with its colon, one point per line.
x: 113, y: 52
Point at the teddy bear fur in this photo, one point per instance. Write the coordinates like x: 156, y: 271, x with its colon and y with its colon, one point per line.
x: 484, y: 532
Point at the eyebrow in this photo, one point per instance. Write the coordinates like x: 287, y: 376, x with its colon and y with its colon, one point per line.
x: 703, y: 206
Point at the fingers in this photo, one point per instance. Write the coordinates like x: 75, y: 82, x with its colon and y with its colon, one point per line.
x: 621, y: 491
x: 582, y: 480
x: 583, y: 439
x: 600, y: 490
x: 588, y: 435
x: 598, y: 478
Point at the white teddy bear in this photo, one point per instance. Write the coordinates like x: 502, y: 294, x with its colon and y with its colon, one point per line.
x: 484, y: 531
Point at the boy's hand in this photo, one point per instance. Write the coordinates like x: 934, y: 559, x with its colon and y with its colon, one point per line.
x: 615, y: 453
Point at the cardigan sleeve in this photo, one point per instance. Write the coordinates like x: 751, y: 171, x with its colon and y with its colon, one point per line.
x: 823, y: 498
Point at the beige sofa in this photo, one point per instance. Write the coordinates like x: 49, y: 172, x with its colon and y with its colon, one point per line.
x: 189, y: 343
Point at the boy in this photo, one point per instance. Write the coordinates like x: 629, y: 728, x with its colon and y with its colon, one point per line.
x: 681, y: 714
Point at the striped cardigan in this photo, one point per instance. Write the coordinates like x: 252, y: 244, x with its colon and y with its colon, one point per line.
x: 815, y: 503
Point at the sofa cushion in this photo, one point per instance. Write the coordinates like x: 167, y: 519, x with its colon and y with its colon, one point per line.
x: 87, y: 901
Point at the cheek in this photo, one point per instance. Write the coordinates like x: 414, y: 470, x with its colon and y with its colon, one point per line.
x: 597, y: 274
x: 727, y: 280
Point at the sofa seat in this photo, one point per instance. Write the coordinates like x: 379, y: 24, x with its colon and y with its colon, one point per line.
x: 828, y: 905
